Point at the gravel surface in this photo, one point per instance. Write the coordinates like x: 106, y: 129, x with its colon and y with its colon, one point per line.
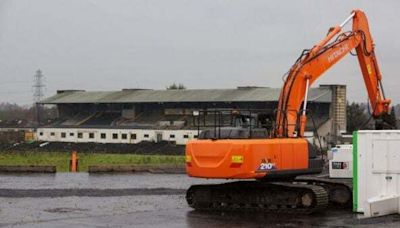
x: 132, y: 200
x: 99, y: 181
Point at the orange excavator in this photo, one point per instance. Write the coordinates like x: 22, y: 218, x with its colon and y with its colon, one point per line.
x: 267, y: 167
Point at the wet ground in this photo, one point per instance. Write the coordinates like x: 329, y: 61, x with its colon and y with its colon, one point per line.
x: 135, y: 200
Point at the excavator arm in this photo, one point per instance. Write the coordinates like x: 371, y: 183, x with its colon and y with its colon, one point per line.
x: 291, y: 115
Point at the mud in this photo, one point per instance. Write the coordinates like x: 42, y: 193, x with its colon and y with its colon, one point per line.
x: 90, y: 192
x: 137, y: 200
x: 156, y: 169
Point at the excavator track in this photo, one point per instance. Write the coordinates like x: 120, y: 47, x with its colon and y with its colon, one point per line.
x: 339, y: 190
x: 279, y: 197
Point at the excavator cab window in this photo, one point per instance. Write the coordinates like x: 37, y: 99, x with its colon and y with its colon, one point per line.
x: 233, y: 123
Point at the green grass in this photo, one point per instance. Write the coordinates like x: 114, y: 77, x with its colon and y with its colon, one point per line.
x: 61, y: 159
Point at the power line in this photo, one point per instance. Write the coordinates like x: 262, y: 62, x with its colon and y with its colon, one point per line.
x: 13, y: 82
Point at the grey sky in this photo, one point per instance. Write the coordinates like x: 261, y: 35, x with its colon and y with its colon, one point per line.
x: 110, y: 45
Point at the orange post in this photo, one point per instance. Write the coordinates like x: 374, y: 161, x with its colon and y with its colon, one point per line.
x: 73, y: 162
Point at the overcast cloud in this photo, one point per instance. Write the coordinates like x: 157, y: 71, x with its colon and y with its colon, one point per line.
x: 110, y: 45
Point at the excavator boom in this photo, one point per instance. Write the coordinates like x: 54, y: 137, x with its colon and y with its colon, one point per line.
x: 291, y: 116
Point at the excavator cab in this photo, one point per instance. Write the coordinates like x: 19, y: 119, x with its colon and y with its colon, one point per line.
x: 234, y: 124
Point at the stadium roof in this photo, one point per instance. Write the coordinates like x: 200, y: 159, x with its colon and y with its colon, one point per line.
x: 241, y: 94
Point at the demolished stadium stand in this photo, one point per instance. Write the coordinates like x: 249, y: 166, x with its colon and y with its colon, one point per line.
x: 137, y: 115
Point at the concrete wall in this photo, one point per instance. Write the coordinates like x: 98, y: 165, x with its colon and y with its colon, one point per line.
x: 180, y: 137
x: 337, y: 112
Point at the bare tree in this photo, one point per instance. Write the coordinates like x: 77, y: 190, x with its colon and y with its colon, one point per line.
x: 174, y: 86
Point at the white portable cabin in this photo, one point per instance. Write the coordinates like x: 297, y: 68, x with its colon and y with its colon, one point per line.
x: 376, y: 172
